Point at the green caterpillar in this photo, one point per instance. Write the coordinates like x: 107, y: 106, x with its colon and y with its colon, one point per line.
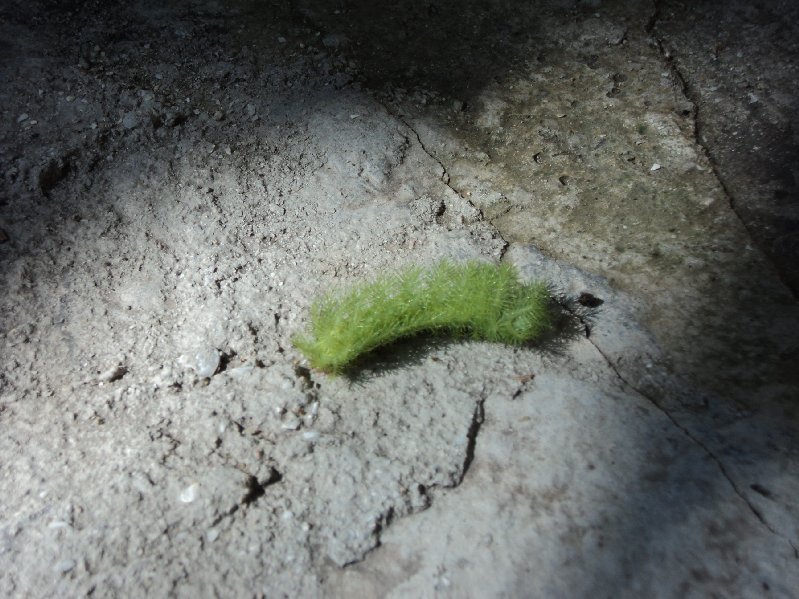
x: 474, y: 299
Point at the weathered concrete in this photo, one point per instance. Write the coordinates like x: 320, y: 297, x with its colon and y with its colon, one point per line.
x: 181, y: 180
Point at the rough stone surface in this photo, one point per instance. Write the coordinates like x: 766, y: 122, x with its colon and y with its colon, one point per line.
x: 189, y: 176
x: 739, y: 67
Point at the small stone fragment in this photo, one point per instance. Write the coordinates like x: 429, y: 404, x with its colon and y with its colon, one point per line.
x: 130, y: 120
x: 189, y: 494
x: 292, y: 423
x: 112, y: 374
x: 65, y: 566
x: 206, y: 362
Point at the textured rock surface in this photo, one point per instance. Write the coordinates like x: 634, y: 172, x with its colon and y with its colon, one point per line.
x: 180, y: 180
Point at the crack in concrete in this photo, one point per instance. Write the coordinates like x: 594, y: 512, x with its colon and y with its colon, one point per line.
x: 445, y: 176
x: 690, y: 94
x: 693, y: 438
x: 478, y: 415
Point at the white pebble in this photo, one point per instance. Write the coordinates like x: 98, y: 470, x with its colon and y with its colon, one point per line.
x: 292, y: 423
x: 65, y: 566
x: 189, y: 494
x: 206, y: 362
x: 655, y: 167
x: 114, y: 373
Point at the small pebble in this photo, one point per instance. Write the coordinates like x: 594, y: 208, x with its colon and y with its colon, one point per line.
x: 22, y: 117
x: 112, y: 374
x: 189, y: 494
x: 292, y: 423
x: 130, y: 120
x: 65, y: 566
x: 206, y: 362
x: 655, y: 167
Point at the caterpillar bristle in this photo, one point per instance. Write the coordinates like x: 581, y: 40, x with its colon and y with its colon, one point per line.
x: 479, y: 300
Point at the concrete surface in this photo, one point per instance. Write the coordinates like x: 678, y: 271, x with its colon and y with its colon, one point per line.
x: 180, y: 180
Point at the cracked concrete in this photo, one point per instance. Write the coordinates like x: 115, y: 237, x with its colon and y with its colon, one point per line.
x: 181, y: 181
x: 567, y: 306
x: 698, y: 442
x: 738, y: 63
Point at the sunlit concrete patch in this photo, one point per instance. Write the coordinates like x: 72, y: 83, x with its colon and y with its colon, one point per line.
x: 217, y: 459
